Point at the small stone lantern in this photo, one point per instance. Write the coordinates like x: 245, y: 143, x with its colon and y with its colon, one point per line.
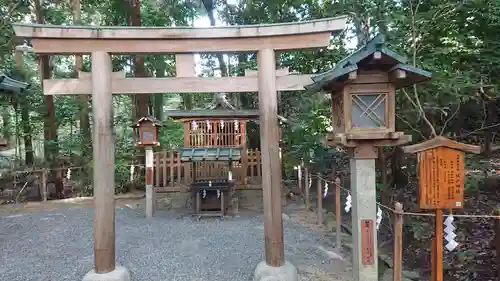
x: 146, y: 132
x: 363, y: 89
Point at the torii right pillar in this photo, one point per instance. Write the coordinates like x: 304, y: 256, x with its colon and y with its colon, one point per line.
x: 274, y: 267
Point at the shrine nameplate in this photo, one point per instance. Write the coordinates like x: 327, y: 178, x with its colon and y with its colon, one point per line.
x: 441, y: 177
x: 367, y: 245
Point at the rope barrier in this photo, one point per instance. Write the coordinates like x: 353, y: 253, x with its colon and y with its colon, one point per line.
x: 70, y: 168
x: 413, y: 213
x: 387, y: 208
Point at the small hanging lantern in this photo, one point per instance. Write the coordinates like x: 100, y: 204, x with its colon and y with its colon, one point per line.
x: 146, y: 131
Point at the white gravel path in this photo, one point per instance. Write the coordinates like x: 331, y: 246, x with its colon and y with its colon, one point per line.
x: 57, y: 246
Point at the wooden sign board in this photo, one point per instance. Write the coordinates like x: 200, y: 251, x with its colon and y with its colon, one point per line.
x: 441, y: 177
x: 367, y: 245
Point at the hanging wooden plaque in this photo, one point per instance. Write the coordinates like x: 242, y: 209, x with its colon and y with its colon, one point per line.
x: 441, y: 177
x: 367, y: 245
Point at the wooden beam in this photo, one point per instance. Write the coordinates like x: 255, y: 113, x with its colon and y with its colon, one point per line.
x: 104, y: 163
x: 151, y: 46
x: 279, y: 72
x: 174, y: 85
x: 114, y: 75
x: 185, y: 65
x: 271, y: 168
x: 120, y: 32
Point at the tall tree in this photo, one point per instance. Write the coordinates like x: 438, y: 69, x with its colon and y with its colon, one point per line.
x: 141, y: 102
x: 83, y: 99
x: 50, y: 121
x: 161, y: 68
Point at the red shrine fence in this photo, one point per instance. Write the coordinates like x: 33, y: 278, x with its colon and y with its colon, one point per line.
x: 170, y: 173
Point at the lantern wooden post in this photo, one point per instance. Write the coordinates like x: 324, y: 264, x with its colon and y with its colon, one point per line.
x: 338, y: 215
x: 441, y: 185
x: 150, y: 192
x: 397, y: 256
x: 306, y: 188
x: 274, y: 266
x: 319, y: 199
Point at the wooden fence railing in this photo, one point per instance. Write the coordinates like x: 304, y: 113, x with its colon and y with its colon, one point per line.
x: 392, y: 223
x: 170, y: 171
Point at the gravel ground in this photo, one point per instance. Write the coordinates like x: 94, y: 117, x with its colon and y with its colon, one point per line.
x: 57, y: 245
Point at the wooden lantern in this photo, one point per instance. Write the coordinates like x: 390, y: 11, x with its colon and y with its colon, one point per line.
x: 363, y: 89
x: 441, y: 172
x: 146, y: 131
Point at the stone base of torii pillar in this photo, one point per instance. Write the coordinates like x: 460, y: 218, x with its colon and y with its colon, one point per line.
x: 119, y: 274
x: 265, y: 272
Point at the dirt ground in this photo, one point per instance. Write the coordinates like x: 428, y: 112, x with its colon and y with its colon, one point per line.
x: 331, y: 266
x: 122, y: 200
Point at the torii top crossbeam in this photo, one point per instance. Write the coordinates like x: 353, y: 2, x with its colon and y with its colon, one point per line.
x: 48, y: 39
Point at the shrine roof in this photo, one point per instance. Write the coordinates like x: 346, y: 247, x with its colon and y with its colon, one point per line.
x: 151, y: 119
x: 213, y: 114
x: 363, y: 59
x: 210, y: 154
x: 9, y: 85
x: 440, y: 141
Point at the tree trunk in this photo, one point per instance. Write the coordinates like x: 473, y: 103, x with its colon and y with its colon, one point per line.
x: 491, y: 109
x: 25, y: 122
x: 83, y: 99
x: 220, y: 57
x: 6, y: 130
x: 50, y: 122
x: 360, y: 24
x: 161, y: 67
x: 141, y: 102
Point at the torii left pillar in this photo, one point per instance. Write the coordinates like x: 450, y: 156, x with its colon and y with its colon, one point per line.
x: 104, y: 174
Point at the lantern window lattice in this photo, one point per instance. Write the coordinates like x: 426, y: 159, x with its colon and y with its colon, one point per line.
x: 369, y: 110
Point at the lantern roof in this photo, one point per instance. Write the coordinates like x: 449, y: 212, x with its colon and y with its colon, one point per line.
x: 362, y: 59
x: 148, y: 118
x: 9, y: 85
x: 213, y: 114
x: 440, y: 141
x: 211, y: 154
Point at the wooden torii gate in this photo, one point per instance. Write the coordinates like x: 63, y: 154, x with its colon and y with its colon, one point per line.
x: 102, y: 41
